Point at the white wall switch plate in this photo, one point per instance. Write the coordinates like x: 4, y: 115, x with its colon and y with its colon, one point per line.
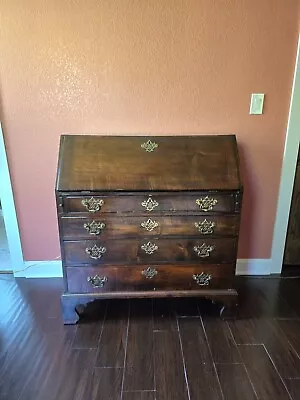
x: 257, y: 103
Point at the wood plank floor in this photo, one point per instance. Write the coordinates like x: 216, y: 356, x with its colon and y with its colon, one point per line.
x: 150, y: 350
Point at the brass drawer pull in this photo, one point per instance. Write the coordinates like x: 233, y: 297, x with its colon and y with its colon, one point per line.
x: 94, y: 228
x: 150, y: 204
x: 205, y: 227
x: 206, y: 203
x: 92, y: 204
x: 204, y: 250
x: 202, y: 279
x: 149, y: 247
x: 97, y: 281
x: 149, y: 225
x: 95, y: 252
x: 149, y: 146
x: 149, y: 272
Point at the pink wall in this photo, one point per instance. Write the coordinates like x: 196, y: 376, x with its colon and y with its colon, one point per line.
x: 136, y: 66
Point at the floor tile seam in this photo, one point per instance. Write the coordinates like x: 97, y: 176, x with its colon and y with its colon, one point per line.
x: 244, y: 365
x: 125, y: 355
x: 153, y: 347
x: 183, y: 361
x: 140, y: 391
x: 289, y: 342
x: 280, y: 377
x: 210, y: 352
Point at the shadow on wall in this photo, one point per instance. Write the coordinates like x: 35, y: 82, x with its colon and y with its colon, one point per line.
x: 2, y: 118
x: 246, y: 239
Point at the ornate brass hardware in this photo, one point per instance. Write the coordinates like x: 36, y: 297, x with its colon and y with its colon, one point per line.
x: 150, y: 204
x: 95, y: 252
x: 97, y: 281
x: 149, y: 146
x: 149, y: 247
x: 205, y: 227
x: 149, y: 225
x: 202, y: 279
x: 94, y: 228
x: 204, y: 250
x: 206, y: 203
x: 92, y: 204
x: 149, y: 272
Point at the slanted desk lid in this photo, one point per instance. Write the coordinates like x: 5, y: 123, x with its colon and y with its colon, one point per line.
x: 103, y: 163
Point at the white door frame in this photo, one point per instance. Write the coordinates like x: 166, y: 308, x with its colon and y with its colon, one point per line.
x: 287, y: 173
x: 9, y: 211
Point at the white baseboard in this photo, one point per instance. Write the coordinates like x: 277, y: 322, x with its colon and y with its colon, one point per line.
x: 40, y: 269
x: 53, y: 269
x: 254, y: 266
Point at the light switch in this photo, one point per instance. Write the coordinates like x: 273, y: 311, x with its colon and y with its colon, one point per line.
x: 257, y: 103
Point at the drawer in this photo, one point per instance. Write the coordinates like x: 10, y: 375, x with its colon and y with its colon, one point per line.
x: 132, y: 226
x: 148, y: 278
x: 200, y: 202
x: 140, y: 251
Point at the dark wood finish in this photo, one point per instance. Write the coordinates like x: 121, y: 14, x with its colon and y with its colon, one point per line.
x: 267, y: 382
x: 235, y: 382
x: 88, y: 335
x: 124, y: 226
x: 86, y: 163
x: 164, y: 315
x: 291, y: 329
x: 113, y: 183
x: 39, y: 359
x: 113, y: 340
x: 169, y: 367
x: 268, y: 333
x: 126, y: 279
x: 139, y: 372
x: 141, y: 395
x: 222, y: 345
x: 293, y: 386
x: 292, y: 246
x: 282, y: 351
x: 201, y: 375
x: 168, y: 250
x: 106, y: 384
x: 132, y: 204
x: 75, y: 368
x: 194, y: 339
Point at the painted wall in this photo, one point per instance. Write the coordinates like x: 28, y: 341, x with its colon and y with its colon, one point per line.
x: 140, y: 66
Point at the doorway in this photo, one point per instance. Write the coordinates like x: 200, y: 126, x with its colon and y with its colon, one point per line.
x: 5, y: 261
x: 287, y: 173
x: 291, y: 259
x: 10, y: 241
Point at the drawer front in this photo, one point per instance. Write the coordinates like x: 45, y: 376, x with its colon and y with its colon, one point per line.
x: 148, y: 278
x: 118, y: 226
x: 91, y: 280
x: 201, y: 202
x: 92, y: 252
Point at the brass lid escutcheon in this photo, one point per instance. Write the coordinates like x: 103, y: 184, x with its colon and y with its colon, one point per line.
x: 149, y: 146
